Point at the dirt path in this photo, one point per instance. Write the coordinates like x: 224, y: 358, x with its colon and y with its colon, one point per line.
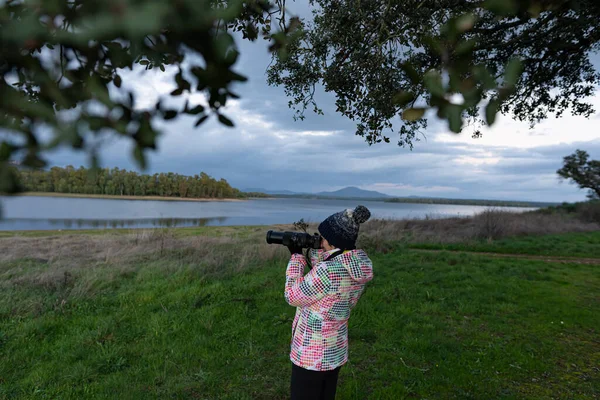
x: 553, y: 259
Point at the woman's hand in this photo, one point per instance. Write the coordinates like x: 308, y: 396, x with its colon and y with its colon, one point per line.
x: 294, y: 249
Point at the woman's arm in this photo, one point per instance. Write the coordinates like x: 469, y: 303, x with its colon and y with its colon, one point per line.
x: 316, y: 256
x: 310, y: 288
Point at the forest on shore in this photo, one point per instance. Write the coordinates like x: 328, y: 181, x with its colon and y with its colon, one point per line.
x: 120, y: 182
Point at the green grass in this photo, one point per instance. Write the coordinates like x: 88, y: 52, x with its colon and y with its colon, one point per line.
x: 429, y: 326
x: 585, y: 244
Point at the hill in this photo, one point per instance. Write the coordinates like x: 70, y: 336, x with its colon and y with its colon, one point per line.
x: 350, y: 192
x: 354, y: 192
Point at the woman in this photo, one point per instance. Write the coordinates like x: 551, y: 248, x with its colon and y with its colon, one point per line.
x: 324, y: 298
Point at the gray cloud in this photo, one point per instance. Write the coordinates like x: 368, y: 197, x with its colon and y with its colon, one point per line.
x: 267, y: 149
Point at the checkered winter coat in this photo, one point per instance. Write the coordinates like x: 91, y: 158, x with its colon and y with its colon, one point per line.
x: 324, y: 298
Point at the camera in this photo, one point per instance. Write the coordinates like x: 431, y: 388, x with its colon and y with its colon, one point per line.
x: 296, y: 239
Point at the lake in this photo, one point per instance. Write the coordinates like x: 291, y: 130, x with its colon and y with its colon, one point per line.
x: 52, y: 213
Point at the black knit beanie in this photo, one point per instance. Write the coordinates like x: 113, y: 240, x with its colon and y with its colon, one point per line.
x: 341, y: 229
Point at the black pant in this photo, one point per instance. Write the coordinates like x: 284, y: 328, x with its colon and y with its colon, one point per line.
x: 313, y: 385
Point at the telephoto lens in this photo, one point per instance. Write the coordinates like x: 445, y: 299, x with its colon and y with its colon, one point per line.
x: 274, y: 237
x: 299, y: 239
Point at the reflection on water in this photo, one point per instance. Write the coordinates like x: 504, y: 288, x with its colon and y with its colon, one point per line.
x: 118, y: 223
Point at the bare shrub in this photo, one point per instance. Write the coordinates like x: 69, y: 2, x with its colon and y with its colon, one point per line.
x: 540, y: 224
x: 492, y: 224
x: 301, y: 225
x: 589, y: 211
x: 380, y: 232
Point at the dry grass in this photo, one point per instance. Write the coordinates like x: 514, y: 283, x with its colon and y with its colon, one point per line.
x: 490, y: 225
x: 76, y: 249
x: 79, y: 262
x: 589, y: 211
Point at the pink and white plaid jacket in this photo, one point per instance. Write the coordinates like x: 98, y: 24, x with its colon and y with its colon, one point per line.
x: 324, y: 297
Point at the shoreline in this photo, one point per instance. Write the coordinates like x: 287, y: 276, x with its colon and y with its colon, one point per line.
x: 114, y: 197
x: 163, y: 198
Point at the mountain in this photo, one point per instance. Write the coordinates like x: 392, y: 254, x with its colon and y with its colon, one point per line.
x: 347, y: 192
x: 355, y: 192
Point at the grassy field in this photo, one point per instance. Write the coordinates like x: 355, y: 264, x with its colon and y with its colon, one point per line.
x: 201, y: 314
x: 561, y: 245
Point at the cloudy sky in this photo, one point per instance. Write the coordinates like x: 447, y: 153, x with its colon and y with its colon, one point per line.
x: 268, y: 149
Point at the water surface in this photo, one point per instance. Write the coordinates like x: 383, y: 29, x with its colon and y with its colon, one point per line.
x: 50, y: 213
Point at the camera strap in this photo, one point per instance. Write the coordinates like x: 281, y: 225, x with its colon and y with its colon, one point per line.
x: 334, y: 255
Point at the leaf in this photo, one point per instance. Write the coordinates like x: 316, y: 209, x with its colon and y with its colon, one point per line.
x: 513, y: 71
x: 9, y: 182
x: 138, y: 155
x: 170, y: 114
x: 411, y: 72
x: 74, y: 137
x: 435, y: 44
x: 466, y: 47
x: 237, y: 77
x: 146, y: 136
x: 96, y: 123
x: 225, y: 121
x: 5, y: 151
x: 413, y: 114
x: 402, y: 98
x: 454, y: 113
x: 456, y: 26
x: 491, y: 110
x: 33, y: 160
x: 162, y: 67
x: 177, y: 92
x: 502, y: 7
x: 535, y: 9
x: 117, y: 81
x: 471, y: 97
x: 465, y: 22
x: 504, y: 93
x: 196, y: 110
x: 94, y: 162
x: 179, y: 79
x: 483, y: 75
x: 98, y: 89
x: 433, y: 82
x: 144, y: 62
x: 200, y: 121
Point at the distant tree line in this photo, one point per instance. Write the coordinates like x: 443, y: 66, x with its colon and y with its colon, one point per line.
x: 120, y: 182
x: 472, y: 202
x: 425, y: 200
x: 257, y: 195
